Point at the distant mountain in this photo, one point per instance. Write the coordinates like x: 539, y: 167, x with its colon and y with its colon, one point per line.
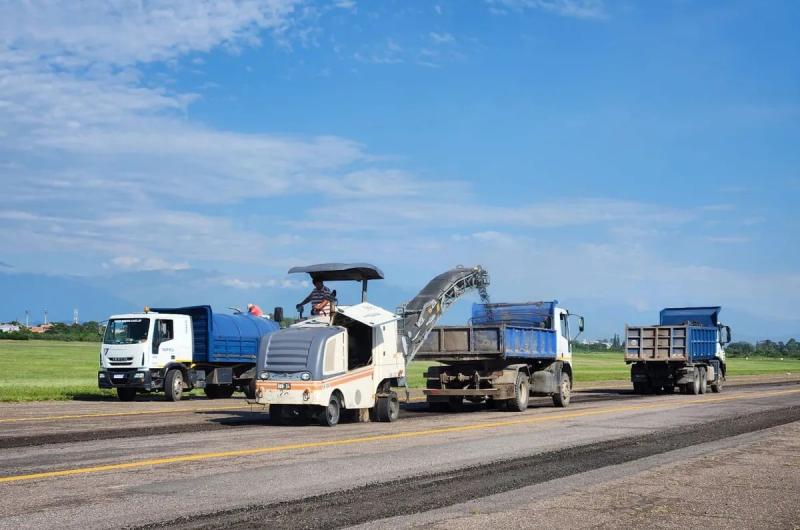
x: 59, y: 295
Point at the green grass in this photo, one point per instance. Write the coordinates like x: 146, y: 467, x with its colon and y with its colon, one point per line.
x: 32, y: 370
x: 39, y: 370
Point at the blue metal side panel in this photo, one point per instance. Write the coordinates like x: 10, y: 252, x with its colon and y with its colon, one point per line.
x: 529, y: 343
x: 235, y: 338
x: 679, y: 316
x: 702, y: 344
x: 529, y: 314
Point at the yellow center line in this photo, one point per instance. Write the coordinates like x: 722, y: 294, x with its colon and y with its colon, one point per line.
x: 112, y: 414
x: 672, y: 404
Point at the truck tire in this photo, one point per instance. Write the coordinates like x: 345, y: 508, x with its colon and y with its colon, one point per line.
x: 694, y: 387
x: 455, y: 404
x: 387, y: 409
x: 703, y: 382
x: 329, y: 416
x: 126, y: 394
x: 561, y: 398
x: 522, y: 392
x: 716, y: 386
x: 173, y: 385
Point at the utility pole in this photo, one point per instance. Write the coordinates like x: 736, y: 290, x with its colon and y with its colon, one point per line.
x: 27, y: 318
x: 75, y: 316
x: 45, y: 317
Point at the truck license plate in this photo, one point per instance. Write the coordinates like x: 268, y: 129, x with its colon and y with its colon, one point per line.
x: 118, y: 376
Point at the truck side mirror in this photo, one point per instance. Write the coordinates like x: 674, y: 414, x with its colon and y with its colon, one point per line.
x: 727, y: 335
x: 277, y: 315
x: 580, y: 325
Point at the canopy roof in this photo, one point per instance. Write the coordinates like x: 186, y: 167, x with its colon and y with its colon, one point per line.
x: 341, y: 271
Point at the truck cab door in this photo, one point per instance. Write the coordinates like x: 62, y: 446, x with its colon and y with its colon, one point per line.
x: 163, y: 341
x: 563, y: 346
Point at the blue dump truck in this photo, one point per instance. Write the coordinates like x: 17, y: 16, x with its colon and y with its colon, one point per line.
x: 506, y: 353
x: 686, y: 349
x: 180, y: 348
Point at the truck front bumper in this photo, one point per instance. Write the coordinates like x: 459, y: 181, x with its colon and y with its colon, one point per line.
x: 126, y: 378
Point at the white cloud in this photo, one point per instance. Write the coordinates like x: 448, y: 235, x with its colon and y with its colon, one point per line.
x: 441, y: 38
x: 146, y: 264
x: 567, y: 8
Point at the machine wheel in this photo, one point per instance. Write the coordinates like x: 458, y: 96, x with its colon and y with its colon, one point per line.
x: 716, y: 386
x: 564, y: 389
x: 522, y: 393
x: 669, y: 389
x: 329, y: 416
x: 388, y: 408
x: 126, y: 394
x: 703, y: 382
x: 640, y: 388
x: 173, y: 385
x: 250, y: 389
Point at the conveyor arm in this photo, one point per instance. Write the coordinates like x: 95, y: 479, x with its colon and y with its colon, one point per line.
x: 421, y: 313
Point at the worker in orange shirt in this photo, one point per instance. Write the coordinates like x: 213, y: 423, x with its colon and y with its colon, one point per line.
x: 254, y: 310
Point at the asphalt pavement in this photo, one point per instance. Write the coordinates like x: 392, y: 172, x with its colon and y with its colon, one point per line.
x: 228, y: 467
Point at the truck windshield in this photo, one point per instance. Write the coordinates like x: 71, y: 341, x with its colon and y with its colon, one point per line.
x: 126, y: 330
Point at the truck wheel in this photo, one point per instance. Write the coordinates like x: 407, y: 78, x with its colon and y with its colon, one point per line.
x: 561, y: 399
x: 455, y: 404
x: 437, y: 406
x: 716, y: 386
x: 694, y: 387
x: 521, y: 394
x: 329, y: 416
x: 388, y: 408
x: 173, y: 385
x: 126, y: 394
x: 703, y: 382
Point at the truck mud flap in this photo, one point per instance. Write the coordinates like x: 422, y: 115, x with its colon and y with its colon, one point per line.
x: 220, y: 376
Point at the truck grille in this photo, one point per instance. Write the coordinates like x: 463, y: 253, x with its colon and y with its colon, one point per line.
x: 120, y: 361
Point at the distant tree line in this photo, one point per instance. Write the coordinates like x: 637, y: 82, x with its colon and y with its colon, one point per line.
x: 764, y: 348
x: 85, y: 332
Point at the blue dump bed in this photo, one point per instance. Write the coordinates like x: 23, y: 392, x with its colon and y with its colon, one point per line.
x: 506, y: 331
x: 222, y: 338
x: 686, y: 334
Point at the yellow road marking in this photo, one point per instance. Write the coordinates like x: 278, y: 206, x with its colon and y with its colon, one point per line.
x: 111, y: 414
x: 384, y: 437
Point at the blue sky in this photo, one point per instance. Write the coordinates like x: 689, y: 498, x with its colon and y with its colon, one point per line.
x: 617, y: 155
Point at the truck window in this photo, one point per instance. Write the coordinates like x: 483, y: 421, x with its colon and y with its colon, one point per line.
x: 164, y: 330
x: 126, y: 330
x: 564, y: 327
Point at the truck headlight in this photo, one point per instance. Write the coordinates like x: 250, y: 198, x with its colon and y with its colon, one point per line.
x: 263, y: 375
x: 305, y: 376
x: 101, y: 375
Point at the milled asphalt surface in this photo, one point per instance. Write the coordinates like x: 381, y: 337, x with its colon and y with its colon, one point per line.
x: 304, y: 461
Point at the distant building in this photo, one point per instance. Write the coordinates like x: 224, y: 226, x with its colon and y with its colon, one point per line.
x: 8, y: 328
x: 40, y: 329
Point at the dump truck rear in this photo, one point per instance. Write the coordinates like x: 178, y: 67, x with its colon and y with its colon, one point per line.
x: 686, y: 349
x: 507, y: 353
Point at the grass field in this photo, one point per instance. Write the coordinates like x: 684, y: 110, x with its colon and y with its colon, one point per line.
x: 38, y: 370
